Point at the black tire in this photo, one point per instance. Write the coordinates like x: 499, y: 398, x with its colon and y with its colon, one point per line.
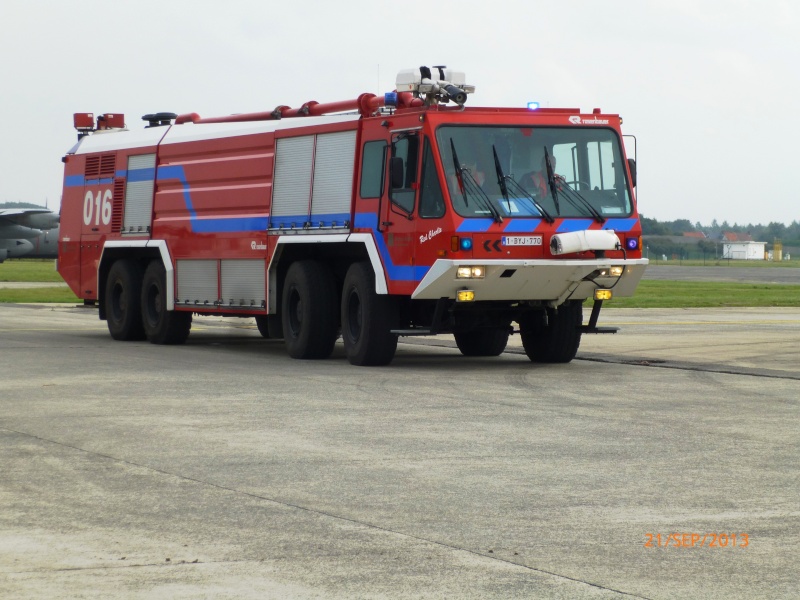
x: 270, y: 327
x: 556, y: 342
x: 367, y: 319
x: 309, y: 310
x: 122, y: 301
x: 482, y: 342
x: 161, y: 326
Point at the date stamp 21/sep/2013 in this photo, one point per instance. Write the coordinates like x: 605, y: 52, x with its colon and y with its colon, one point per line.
x: 696, y: 540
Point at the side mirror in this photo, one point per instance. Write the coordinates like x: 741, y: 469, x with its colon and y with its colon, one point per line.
x: 632, y: 167
x: 396, y: 172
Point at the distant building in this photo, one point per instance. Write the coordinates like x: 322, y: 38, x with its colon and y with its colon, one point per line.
x: 694, y: 234
x: 730, y: 236
x: 744, y: 250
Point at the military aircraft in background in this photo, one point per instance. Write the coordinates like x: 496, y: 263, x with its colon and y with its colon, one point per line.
x: 28, y: 232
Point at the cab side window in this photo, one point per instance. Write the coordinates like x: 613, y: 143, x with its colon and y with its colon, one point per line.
x: 372, y: 169
x: 403, y: 172
x: 431, y: 199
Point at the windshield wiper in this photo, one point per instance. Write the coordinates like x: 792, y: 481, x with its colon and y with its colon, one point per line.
x: 468, y: 185
x: 521, y: 191
x: 459, y: 176
x: 551, y: 180
x: 577, y: 200
x: 501, y: 179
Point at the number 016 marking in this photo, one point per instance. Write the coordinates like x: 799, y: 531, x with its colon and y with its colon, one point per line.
x: 98, y: 206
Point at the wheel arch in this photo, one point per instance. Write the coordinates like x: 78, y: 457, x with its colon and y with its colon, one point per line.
x: 338, y: 251
x: 139, y: 250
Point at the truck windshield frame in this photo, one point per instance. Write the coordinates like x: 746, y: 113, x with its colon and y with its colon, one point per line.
x: 589, y: 167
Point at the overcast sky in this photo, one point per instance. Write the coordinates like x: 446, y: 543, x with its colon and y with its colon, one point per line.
x: 706, y: 86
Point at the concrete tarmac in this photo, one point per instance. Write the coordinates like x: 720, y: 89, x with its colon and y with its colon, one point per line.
x: 661, y: 463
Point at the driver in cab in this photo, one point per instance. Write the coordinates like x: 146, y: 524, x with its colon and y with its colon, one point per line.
x: 537, y: 183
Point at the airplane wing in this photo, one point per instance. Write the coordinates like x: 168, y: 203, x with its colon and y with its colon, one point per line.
x: 29, y: 218
x: 21, y: 230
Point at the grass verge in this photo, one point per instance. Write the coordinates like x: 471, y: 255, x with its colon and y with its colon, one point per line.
x: 701, y: 294
x: 38, y: 295
x: 29, y: 269
x: 649, y: 294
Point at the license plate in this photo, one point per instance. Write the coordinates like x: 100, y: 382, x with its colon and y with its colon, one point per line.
x: 522, y: 240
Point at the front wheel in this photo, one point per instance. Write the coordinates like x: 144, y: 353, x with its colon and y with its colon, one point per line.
x: 557, y: 340
x: 367, y: 319
x: 161, y: 326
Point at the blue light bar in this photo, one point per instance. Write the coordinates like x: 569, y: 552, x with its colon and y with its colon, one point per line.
x: 390, y: 99
x: 533, y: 105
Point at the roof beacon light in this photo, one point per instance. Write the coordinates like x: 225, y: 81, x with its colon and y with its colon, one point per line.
x: 533, y: 105
x: 390, y: 99
x: 436, y: 85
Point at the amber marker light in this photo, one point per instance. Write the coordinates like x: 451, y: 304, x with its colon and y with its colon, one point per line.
x: 465, y: 296
x: 602, y: 294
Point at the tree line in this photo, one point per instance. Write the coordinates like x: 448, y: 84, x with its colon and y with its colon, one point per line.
x: 788, y: 234
x: 661, y: 240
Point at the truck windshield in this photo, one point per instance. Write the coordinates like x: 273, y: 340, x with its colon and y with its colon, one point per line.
x: 587, y: 171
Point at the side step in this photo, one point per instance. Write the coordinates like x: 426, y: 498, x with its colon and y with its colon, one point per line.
x: 409, y: 332
x: 590, y: 329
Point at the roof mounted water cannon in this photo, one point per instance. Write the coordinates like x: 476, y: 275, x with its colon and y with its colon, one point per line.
x: 435, y: 84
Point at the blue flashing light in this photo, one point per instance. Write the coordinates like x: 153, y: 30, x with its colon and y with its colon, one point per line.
x: 465, y: 243
x: 390, y: 99
x: 533, y: 105
x: 632, y: 243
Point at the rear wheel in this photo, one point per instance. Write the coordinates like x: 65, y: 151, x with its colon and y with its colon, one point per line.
x: 482, y: 342
x: 367, y: 319
x: 161, y: 326
x: 122, y: 301
x: 558, y: 340
x: 309, y: 310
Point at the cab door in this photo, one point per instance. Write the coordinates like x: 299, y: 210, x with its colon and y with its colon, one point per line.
x: 398, y: 222
x: 386, y: 199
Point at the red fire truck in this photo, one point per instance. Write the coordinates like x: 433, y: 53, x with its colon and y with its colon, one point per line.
x: 397, y: 215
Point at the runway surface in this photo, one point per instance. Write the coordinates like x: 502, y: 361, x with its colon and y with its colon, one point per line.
x: 224, y: 469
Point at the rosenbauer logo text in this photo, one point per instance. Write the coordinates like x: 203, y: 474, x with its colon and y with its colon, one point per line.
x: 578, y: 120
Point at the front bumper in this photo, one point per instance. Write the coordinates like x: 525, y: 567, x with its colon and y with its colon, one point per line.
x: 549, y: 281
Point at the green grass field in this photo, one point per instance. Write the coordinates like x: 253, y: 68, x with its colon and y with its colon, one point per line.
x: 700, y: 294
x: 711, y: 262
x: 29, y: 269
x: 649, y: 294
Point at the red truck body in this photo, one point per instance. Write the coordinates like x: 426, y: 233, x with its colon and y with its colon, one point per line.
x: 409, y: 219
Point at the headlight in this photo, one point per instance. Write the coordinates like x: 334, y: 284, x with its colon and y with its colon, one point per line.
x: 617, y: 271
x: 473, y: 272
x: 602, y: 294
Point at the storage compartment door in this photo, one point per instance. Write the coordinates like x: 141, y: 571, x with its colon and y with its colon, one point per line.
x: 332, y: 194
